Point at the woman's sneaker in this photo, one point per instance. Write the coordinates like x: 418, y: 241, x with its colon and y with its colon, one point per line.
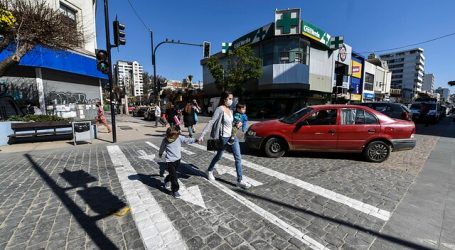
x: 243, y: 184
x: 210, y: 176
x: 176, y: 195
x: 167, y: 185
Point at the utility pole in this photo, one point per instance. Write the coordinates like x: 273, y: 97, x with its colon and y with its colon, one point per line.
x: 111, y: 82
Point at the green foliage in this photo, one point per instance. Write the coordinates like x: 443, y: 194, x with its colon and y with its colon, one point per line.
x: 37, y: 118
x: 242, y: 66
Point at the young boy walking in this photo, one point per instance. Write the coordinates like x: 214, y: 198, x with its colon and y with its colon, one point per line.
x: 239, y: 116
x: 172, y: 145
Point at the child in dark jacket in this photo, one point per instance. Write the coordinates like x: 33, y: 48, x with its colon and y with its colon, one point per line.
x: 172, y: 145
x: 239, y: 116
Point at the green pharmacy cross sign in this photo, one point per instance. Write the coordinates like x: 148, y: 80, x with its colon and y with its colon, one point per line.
x: 225, y: 47
x: 286, y: 22
x: 336, y: 42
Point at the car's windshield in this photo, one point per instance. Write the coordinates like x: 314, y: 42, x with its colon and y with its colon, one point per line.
x: 297, y: 115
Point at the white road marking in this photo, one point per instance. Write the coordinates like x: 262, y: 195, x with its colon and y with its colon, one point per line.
x: 221, y: 169
x: 355, y: 204
x: 191, y: 194
x: 186, y: 151
x: 294, y: 232
x: 155, y: 228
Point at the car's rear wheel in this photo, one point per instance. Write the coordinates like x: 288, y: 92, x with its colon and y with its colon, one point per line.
x: 274, y: 147
x: 377, y: 151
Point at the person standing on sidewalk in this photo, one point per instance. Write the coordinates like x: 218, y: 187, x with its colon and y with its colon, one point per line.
x: 196, y: 110
x: 101, y: 118
x: 172, y: 145
x: 157, y: 114
x: 188, y: 118
x: 224, y: 121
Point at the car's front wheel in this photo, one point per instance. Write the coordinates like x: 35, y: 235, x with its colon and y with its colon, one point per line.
x: 377, y: 151
x: 274, y: 147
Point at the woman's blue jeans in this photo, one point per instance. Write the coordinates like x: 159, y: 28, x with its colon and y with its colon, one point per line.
x: 237, y: 156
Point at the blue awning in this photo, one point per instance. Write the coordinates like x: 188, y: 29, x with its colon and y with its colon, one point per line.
x: 60, y: 60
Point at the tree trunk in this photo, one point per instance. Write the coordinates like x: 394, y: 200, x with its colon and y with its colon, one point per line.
x: 13, y: 59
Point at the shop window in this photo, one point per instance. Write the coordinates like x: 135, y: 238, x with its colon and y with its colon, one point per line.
x: 284, y: 57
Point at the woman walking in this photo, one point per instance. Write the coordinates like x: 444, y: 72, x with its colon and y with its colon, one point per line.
x: 172, y: 116
x: 101, y: 118
x: 188, y: 118
x: 223, y: 119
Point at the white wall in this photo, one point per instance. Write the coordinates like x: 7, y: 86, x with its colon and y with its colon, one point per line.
x: 321, y: 70
x: 86, y: 15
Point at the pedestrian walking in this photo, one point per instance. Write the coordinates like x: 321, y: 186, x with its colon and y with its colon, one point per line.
x: 222, y: 122
x: 172, y: 116
x: 239, y: 117
x: 172, y: 146
x: 196, y: 110
x: 424, y: 109
x: 157, y: 114
x: 188, y: 118
x: 101, y: 117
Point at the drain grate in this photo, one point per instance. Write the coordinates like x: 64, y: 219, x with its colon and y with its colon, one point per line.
x: 125, y: 127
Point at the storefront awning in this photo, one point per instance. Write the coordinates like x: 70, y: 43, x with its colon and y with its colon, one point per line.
x: 60, y: 60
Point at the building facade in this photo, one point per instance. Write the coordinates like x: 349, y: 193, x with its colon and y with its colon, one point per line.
x: 129, y: 75
x: 428, y: 83
x: 59, y: 82
x: 298, y: 66
x: 407, y: 69
x: 444, y: 94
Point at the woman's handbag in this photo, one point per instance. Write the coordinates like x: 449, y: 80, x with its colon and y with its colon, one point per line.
x: 217, y: 144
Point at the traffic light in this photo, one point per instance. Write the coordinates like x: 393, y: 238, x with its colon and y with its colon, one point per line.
x: 102, y: 61
x: 119, y: 33
x: 206, y: 49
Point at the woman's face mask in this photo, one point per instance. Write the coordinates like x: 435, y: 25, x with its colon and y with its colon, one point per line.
x: 228, y: 102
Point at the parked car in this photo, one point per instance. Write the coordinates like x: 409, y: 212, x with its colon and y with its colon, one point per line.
x: 139, y: 111
x: 149, y: 114
x: 393, y: 110
x: 333, y: 128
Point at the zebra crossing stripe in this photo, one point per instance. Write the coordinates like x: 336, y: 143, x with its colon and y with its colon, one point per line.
x: 294, y: 232
x: 355, y: 204
x: 155, y: 228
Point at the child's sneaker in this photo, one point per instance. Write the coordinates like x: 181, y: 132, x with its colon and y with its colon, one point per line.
x: 167, y: 185
x: 210, y: 176
x: 231, y: 140
x: 176, y: 195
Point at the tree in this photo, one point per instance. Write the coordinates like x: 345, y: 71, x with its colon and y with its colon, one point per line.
x: 242, y: 66
x: 27, y: 23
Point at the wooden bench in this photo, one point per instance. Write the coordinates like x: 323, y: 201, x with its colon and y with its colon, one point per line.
x: 40, y: 131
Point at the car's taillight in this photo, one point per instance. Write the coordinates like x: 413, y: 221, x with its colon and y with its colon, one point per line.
x: 406, y: 116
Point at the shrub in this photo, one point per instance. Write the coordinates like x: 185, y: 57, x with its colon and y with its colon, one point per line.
x: 37, y: 118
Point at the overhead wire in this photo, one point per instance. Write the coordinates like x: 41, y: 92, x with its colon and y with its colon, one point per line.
x: 138, y: 16
x: 409, y: 45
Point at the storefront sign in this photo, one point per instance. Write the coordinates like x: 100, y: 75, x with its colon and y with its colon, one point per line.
x: 356, y: 69
x: 368, y: 96
x: 356, y: 97
x: 315, y: 33
x: 254, y: 36
x: 287, y: 22
x: 355, y: 86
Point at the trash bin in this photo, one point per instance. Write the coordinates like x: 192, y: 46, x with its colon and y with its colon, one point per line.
x: 82, y: 131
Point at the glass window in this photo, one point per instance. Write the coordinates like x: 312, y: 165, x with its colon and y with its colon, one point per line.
x: 323, y: 117
x: 357, y: 116
x: 69, y: 12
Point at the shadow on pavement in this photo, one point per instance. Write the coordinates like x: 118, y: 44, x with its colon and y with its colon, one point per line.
x: 444, y: 128
x: 100, y: 199
x: 386, y: 237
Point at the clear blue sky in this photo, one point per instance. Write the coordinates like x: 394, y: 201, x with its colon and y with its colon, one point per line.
x: 365, y: 24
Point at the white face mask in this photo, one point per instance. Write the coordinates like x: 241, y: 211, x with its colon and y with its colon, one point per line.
x: 229, y: 103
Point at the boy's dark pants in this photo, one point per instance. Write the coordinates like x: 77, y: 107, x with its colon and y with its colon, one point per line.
x: 172, y: 176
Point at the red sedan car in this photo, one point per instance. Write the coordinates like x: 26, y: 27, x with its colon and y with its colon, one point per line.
x: 333, y: 128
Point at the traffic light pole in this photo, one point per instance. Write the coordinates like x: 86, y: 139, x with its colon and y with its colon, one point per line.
x: 111, y: 83
x: 157, y: 86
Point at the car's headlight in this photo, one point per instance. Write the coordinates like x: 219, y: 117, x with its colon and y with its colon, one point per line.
x: 251, y: 132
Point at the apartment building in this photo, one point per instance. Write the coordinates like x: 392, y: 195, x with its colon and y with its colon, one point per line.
x: 407, y: 69
x: 129, y: 75
x: 428, y: 83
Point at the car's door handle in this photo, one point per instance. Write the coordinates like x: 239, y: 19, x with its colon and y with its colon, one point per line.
x: 332, y: 131
x: 371, y: 131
